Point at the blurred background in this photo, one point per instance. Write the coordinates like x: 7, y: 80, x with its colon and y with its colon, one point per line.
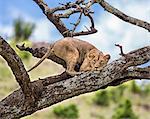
x: 22, y: 21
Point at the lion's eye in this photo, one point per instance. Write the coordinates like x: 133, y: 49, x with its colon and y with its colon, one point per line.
x: 94, y: 61
x: 101, y: 62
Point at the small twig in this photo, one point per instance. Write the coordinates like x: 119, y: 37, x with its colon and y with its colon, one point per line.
x: 87, y: 28
x: 77, y: 23
x: 121, y: 50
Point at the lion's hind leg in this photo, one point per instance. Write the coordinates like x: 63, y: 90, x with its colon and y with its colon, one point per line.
x: 71, y: 61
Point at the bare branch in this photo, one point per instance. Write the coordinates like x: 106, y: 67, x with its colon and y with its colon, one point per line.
x: 77, y: 23
x: 53, y: 18
x: 68, y: 13
x: 18, y: 69
x: 133, y: 73
x: 122, y: 15
x: 92, y: 30
x: 70, y: 8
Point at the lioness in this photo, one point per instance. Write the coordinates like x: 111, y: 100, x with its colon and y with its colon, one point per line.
x: 74, y: 51
x: 95, y: 60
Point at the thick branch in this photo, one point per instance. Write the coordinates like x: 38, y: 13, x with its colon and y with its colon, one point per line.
x: 137, y: 73
x: 123, y: 16
x: 133, y: 74
x: 51, y: 92
x: 17, y: 68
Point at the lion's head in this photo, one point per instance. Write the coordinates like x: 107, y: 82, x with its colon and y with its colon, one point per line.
x: 94, y: 60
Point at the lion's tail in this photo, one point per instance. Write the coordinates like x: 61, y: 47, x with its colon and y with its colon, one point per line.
x: 42, y: 59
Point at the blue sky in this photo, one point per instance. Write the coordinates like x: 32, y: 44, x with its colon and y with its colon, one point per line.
x: 24, y: 6
x: 111, y: 30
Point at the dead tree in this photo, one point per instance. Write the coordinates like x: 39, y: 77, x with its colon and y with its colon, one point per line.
x: 39, y: 94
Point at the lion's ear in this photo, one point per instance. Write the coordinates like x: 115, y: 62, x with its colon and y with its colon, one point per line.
x: 107, y: 56
x: 90, y: 56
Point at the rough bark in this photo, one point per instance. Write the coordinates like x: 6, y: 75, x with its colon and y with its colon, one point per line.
x: 55, y: 89
x: 17, y: 68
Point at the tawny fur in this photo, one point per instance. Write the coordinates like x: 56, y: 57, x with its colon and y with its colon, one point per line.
x: 74, y: 51
x: 95, y: 60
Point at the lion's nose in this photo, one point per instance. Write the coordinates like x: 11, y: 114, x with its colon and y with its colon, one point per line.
x: 96, y: 66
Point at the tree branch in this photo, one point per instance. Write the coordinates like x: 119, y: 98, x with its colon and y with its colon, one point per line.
x: 55, y: 89
x: 40, y: 51
x: 71, y: 8
x: 18, y: 70
x: 137, y: 73
x: 122, y: 15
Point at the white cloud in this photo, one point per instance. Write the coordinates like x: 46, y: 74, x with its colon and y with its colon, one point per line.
x: 17, y: 13
x: 42, y: 31
x: 6, y: 31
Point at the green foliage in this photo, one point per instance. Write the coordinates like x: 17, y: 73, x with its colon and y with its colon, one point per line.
x: 22, y: 30
x: 146, y: 89
x: 66, y: 112
x: 27, y: 30
x: 124, y: 111
x: 134, y: 88
x: 117, y: 92
x: 102, y: 98
x: 18, y: 28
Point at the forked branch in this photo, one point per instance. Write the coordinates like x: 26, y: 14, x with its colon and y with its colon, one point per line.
x: 18, y: 70
x: 69, y: 8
